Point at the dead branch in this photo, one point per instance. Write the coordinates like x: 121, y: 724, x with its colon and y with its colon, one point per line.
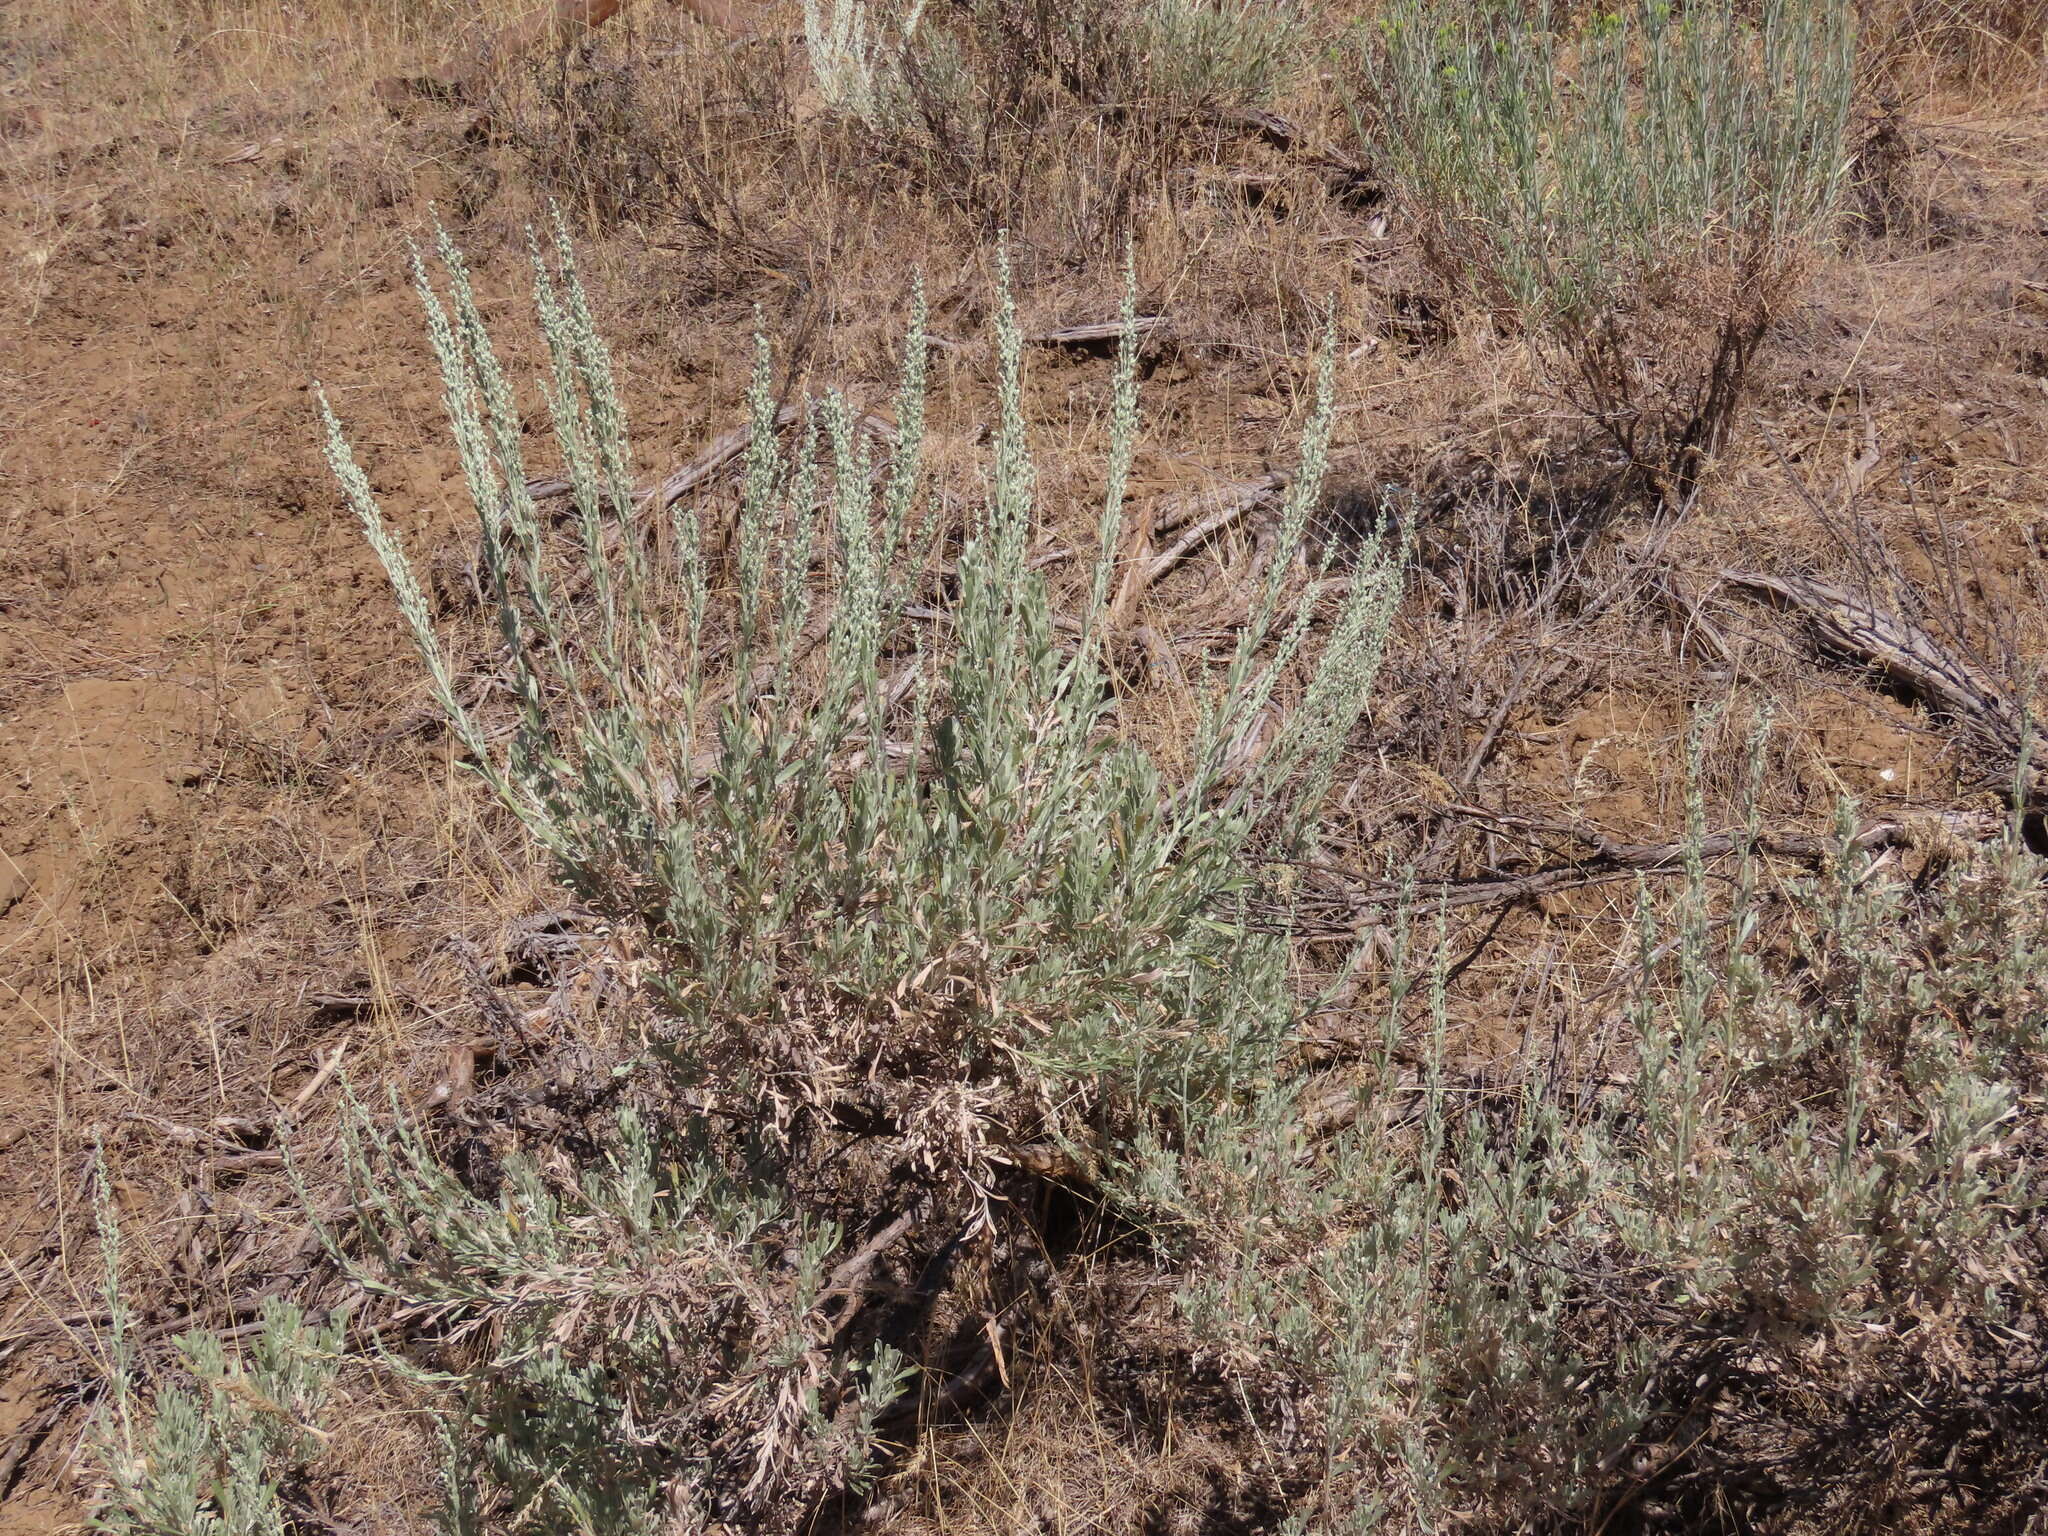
x: 1908, y: 657
x: 722, y: 451
x: 1606, y: 860
x: 1142, y: 326
x: 1225, y: 514
x: 1177, y: 512
x: 1209, y: 511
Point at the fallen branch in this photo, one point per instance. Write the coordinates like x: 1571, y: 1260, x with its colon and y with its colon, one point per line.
x: 1176, y: 512
x: 1231, y: 506
x: 322, y: 1077
x: 1210, y: 512
x: 723, y: 450
x: 1607, y: 860
x: 1908, y: 657
x: 1280, y: 132
x: 1097, y: 333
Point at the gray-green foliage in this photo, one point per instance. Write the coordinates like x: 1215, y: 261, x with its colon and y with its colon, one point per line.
x: 856, y: 783
x: 1638, y: 189
x: 926, y: 875
x: 1483, y: 1300
x: 1568, y: 165
x: 1216, y: 53
x: 873, y: 817
x: 856, y: 55
x: 657, y: 1343
x: 215, y: 1453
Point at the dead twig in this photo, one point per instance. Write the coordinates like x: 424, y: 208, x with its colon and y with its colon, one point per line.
x: 1177, y: 512
x: 1226, y: 514
x: 848, y: 1279
x: 1210, y: 512
x: 322, y: 1077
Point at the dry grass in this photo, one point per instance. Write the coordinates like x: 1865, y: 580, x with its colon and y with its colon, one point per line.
x: 241, y: 846
x: 1985, y: 49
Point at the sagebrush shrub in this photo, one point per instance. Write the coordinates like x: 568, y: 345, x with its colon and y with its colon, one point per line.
x: 1638, y: 188
x: 900, y: 875
x: 223, y: 1450
x: 876, y: 855
x: 1492, y: 1306
x: 662, y: 1345
x: 925, y: 932
x: 855, y: 55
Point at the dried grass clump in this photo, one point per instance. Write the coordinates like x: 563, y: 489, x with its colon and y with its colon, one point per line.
x: 1985, y: 46
x: 995, y: 106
